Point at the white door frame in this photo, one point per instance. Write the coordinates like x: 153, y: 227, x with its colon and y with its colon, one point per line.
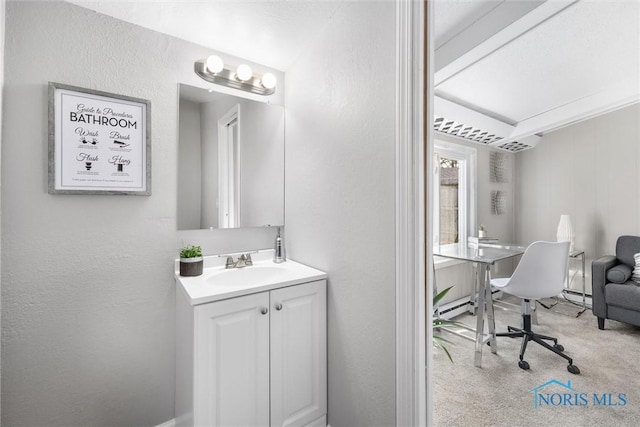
x: 414, y: 396
x: 227, y: 151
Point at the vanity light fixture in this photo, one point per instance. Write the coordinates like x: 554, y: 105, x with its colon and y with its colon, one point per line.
x: 213, y: 70
x: 268, y: 81
x: 214, y: 64
x: 244, y: 73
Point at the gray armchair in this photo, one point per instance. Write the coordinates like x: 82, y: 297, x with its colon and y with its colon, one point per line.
x: 615, y: 295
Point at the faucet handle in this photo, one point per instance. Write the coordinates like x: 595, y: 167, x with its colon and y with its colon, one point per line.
x: 230, y: 263
x: 242, y: 261
x: 248, y: 259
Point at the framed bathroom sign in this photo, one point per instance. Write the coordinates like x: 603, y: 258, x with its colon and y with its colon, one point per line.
x: 99, y: 143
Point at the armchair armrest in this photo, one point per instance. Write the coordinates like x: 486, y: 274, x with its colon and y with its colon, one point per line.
x: 599, y: 269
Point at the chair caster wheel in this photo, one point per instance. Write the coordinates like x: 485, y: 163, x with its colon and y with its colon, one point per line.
x: 573, y: 369
x: 558, y: 347
x: 524, y: 365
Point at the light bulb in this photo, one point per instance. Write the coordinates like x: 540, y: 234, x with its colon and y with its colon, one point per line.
x: 244, y: 73
x: 269, y: 81
x: 214, y: 64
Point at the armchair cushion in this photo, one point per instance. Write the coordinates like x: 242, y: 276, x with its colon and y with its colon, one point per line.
x: 619, y: 274
x: 623, y: 295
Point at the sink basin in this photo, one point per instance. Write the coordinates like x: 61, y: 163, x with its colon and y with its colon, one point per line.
x: 246, y: 276
x: 217, y: 283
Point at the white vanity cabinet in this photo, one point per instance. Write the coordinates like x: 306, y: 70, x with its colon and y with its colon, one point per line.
x: 231, y: 366
x: 253, y: 360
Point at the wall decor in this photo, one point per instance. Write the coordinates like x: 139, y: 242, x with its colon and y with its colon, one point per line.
x: 498, y: 202
x: 99, y: 143
x: 498, y: 167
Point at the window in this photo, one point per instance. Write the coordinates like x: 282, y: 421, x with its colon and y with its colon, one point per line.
x: 454, y: 193
x: 449, y: 194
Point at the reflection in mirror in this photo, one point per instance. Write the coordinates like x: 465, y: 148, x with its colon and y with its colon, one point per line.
x: 230, y: 161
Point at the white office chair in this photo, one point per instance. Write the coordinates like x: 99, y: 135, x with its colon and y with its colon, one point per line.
x: 541, y: 273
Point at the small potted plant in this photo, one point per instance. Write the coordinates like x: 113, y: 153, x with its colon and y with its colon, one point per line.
x: 191, y: 262
x: 482, y: 231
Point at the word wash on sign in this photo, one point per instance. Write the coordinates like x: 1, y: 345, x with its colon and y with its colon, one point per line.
x: 98, y: 117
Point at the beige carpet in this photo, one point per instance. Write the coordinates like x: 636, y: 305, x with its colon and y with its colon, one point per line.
x: 500, y: 393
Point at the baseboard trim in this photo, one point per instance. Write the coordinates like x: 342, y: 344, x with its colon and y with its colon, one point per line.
x: 170, y: 423
x: 576, y: 297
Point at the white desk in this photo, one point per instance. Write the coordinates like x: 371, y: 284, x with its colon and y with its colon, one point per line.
x: 483, y: 256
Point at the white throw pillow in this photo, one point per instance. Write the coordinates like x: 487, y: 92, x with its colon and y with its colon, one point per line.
x: 635, y: 276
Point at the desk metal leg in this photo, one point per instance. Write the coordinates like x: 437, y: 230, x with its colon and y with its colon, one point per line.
x: 490, y: 314
x: 473, y: 298
x: 479, y: 321
x: 484, y: 307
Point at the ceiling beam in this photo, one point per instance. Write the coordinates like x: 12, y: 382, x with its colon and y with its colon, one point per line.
x: 621, y: 95
x: 451, y: 111
x: 475, y: 42
x: 527, y: 132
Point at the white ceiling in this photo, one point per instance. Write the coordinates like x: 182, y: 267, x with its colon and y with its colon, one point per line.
x: 508, y: 70
x: 518, y: 69
x: 269, y: 32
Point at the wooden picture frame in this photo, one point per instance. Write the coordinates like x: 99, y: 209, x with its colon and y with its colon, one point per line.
x: 99, y: 142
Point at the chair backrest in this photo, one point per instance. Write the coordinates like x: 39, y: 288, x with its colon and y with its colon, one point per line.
x: 542, y: 271
x: 626, y: 248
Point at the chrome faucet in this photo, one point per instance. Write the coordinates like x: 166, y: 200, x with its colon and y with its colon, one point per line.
x: 243, y: 260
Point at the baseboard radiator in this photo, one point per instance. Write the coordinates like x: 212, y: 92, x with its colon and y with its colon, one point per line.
x: 460, y: 306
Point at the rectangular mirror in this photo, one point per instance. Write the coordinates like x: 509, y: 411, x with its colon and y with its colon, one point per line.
x: 230, y: 161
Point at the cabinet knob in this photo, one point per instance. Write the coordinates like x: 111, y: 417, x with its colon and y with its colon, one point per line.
x: 278, y: 306
x: 264, y: 310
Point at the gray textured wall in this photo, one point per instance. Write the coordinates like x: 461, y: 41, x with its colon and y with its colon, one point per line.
x: 340, y: 198
x: 87, y: 281
x: 591, y: 171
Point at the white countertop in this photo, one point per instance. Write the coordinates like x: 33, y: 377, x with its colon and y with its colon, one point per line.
x: 201, y: 290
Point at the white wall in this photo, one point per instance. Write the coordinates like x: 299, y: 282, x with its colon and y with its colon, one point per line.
x: 87, y: 281
x: 340, y: 99
x: 591, y: 171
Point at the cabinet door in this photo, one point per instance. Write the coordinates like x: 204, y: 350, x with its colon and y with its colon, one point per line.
x: 298, y: 354
x: 232, y: 362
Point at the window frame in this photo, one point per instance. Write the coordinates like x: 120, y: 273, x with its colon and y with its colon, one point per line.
x: 467, y: 187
